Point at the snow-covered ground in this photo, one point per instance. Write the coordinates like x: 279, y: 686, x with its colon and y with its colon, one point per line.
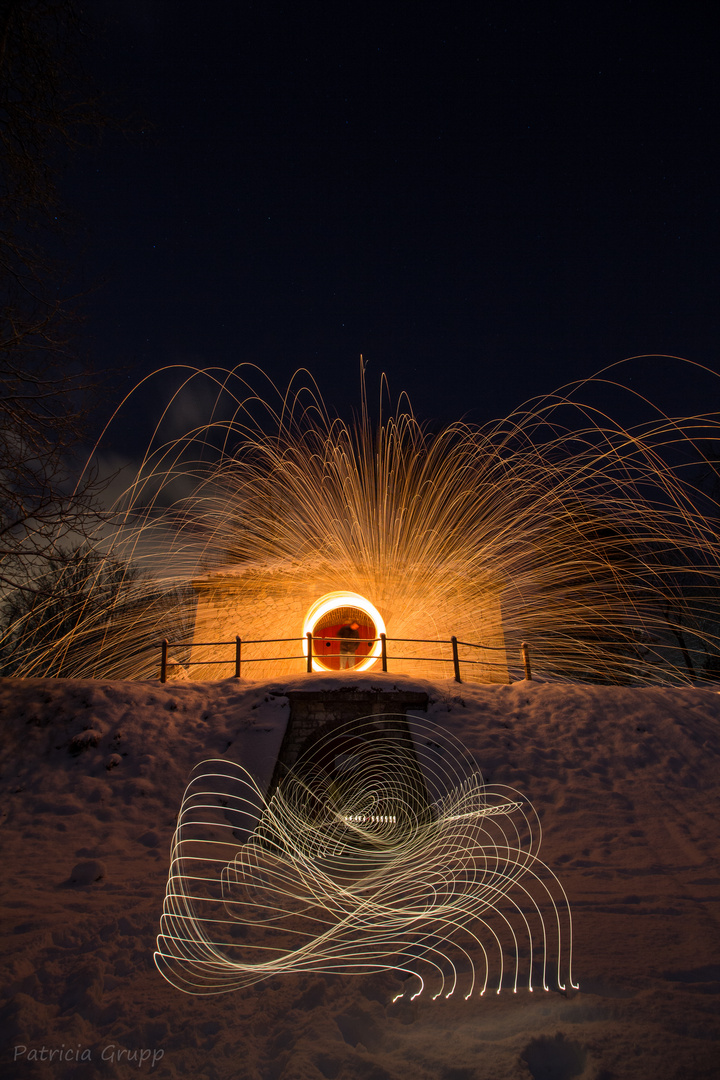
x: 625, y: 782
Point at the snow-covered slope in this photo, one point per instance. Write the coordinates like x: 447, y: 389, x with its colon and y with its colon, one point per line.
x: 624, y: 780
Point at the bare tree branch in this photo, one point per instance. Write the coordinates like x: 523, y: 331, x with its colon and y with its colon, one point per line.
x: 46, y: 393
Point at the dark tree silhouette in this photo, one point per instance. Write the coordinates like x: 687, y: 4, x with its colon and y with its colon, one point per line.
x: 45, y: 392
x: 88, y: 615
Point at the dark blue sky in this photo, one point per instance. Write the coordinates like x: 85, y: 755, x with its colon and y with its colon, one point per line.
x: 485, y: 199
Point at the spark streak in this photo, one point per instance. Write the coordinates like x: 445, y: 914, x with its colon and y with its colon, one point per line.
x: 597, y: 544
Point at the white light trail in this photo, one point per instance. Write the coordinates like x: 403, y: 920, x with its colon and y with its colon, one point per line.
x: 359, y: 870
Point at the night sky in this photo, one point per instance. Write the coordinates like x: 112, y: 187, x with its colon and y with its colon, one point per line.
x: 485, y: 200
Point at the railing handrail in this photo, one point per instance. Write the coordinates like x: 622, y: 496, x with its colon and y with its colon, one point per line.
x: 239, y: 642
x: 273, y: 640
x: 475, y: 645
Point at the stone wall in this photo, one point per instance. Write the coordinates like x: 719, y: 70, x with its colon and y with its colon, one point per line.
x: 265, y: 603
x: 312, y: 710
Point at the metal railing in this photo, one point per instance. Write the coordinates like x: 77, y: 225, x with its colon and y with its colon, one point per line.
x: 307, y: 657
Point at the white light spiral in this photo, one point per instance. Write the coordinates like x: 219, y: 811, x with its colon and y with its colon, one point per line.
x: 381, y: 849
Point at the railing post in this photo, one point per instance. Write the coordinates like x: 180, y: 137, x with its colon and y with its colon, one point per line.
x: 238, y: 655
x: 309, y: 655
x: 456, y: 659
x: 163, y: 660
x: 383, y: 642
x: 525, y: 650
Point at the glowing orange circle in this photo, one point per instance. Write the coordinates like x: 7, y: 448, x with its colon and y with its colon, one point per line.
x: 334, y: 600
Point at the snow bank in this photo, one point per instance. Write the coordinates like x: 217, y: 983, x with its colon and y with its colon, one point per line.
x: 624, y: 781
